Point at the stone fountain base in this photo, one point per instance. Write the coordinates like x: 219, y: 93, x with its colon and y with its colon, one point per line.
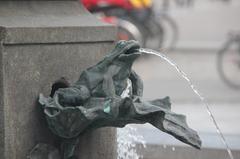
x: 42, y: 41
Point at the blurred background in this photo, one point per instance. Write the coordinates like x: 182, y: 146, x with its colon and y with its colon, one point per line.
x: 203, y: 38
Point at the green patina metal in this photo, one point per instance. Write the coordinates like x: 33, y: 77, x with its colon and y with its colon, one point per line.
x: 107, y: 106
x: 99, y: 99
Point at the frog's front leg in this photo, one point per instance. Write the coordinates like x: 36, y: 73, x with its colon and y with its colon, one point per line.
x: 108, y: 86
x: 68, y: 147
x: 137, y: 84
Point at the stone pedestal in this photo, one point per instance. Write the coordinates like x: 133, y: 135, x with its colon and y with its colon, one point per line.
x: 41, y: 41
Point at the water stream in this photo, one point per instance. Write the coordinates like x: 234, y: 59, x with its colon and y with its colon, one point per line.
x: 193, y: 87
x: 128, y: 138
x: 129, y: 141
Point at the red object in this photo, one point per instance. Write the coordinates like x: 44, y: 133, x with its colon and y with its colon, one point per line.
x: 110, y: 20
x: 89, y: 4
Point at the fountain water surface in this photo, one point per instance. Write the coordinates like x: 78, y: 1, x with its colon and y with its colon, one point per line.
x: 193, y: 87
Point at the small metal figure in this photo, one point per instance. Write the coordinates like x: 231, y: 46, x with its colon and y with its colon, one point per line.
x: 108, y: 94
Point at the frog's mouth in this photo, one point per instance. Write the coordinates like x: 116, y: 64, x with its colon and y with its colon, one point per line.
x: 133, y: 49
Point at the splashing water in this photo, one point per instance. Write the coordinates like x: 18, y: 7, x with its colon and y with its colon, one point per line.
x: 128, y: 138
x: 193, y: 87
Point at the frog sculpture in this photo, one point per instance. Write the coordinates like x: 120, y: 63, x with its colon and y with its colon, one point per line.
x: 109, y: 94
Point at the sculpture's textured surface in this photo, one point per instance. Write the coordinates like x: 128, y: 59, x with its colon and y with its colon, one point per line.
x: 109, y: 94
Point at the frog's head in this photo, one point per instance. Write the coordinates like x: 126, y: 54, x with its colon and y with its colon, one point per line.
x: 127, y: 47
x: 124, y: 51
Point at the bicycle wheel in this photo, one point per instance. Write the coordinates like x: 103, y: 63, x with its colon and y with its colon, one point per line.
x: 170, y: 30
x: 151, y: 30
x: 128, y: 31
x: 154, y: 33
x: 228, y: 64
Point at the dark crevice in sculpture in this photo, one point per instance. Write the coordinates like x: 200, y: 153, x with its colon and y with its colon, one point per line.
x: 61, y: 83
x: 108, y: 94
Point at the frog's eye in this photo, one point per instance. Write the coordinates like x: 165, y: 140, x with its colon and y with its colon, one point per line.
x: 121, y: 43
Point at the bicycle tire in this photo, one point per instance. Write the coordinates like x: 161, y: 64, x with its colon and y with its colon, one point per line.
x: 130, y: 29
x: 221, y: 63
x: 166, y: 19
x: 124, y: 15
x: 154, y: 33
x: 150, y: 29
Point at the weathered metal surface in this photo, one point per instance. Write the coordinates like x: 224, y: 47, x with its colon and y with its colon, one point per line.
x: 108, y: 94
